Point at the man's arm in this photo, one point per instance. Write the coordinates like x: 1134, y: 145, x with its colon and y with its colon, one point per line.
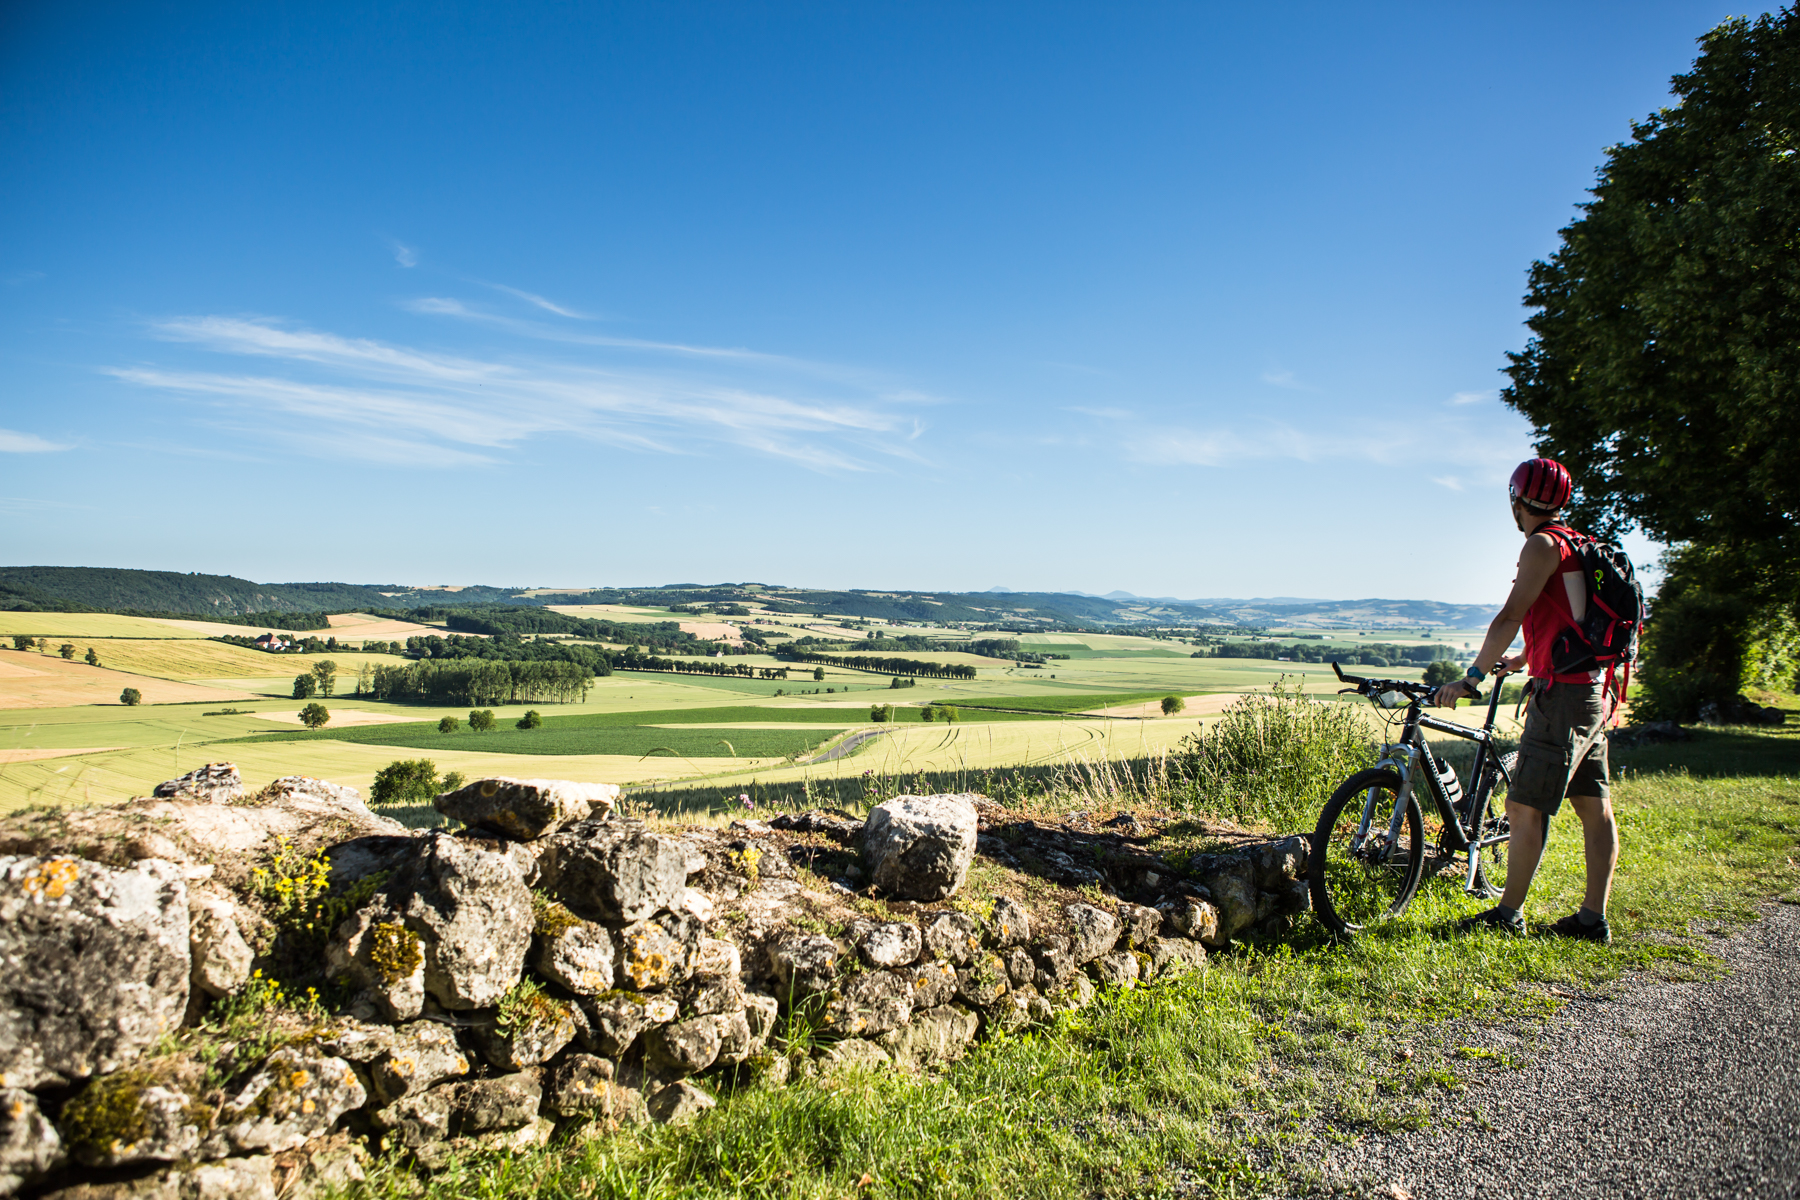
x: 1538, y: 561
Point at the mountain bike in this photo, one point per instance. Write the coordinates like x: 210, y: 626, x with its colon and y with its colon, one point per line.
x: 1370, y: 849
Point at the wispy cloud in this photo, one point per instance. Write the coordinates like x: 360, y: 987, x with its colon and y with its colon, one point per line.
x: 1283, y: 378
x: 1462, y: 399
x: 1401, y: 444
x: 405, y: 255
x: 541, y: 302
x: 1104, y: 414
x: 12, y: 442
x: 427, y: 408
x: 1448, y: 481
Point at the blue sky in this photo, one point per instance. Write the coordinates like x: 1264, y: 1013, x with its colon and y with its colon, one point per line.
x: 1184, y: 299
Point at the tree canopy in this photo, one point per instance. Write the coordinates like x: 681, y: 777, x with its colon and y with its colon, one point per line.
x: 315, y: 715
x: 1664, y: 366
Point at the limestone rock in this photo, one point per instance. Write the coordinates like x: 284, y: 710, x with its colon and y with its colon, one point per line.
x: 290, y: 789
x: 1011, y: 1012
x: 869, y: 1003
x: 541, y: 1027
x: 297, y: 1095
x: 1117, y: 968
x: 803, y: 964
x: 472, y: 910
x: 127, y: 1118
x: 1235, y: 896
x: 852, y: 1054
x: 526, y: 809
x: 29, y: 1145
x: 952, y: 936
x: 421, y: 1056
x: 1021, y: 971
x: 1077, y: 993
x: 221, y: 958
x: 503, y: 1102
x: 615, y: 1021
x: 418, y: 1119
x: 582, y: 1085
x: 920, y: 847
x: 215, y: 783
x: 684, y: 1048
x: 1191, y: 917
x: 760, y: 1012
x: 613, y: 870
x: 659, y: 952
x: 718, y: 957
x: 1170, y: 956
x: 1055, y: 961
x: 1280, y: 863
x: 1094, y: 931
x: 94, y: 965
x: 932, y: 1035
x: 888, y: 944
x: 933, y: 984
x: 381, y: 954
x: 704, y: 995
x: 679, y: 1103
x: 983, y: 981
x: 580, y: 958
x: 736, y: 1041
x: 1139, y: 923
x: 1009, y: 924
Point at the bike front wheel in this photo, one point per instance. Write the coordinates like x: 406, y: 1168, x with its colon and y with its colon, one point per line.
x: 1489, y: 876
x: 1359, y: 874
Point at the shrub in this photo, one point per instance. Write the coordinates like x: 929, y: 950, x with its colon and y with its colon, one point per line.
x: 21, y: 641
x: 927, y: 713
x: 531, y: 720
x: 131, y: 696
x: 67, y: 650
x: 481, y: 719
x: 451, y: 781
x: 1443, y: 671
x: 448, y: 725
x: 93, y: 658
x: 1172, y: 705
x: 1274, y: 757
x: 405, y: 781
x: 305, y: 686
x: 880, y: 712
x: 314, y: 715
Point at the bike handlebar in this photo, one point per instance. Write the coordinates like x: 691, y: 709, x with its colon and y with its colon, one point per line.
x: 1406, y: 687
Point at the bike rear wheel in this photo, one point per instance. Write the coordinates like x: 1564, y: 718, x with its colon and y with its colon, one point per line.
x: 1491, y: 861
x: 1360, y: 879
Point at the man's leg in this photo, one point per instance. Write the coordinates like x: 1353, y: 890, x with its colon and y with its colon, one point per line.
x: 1524, y: 851
x: 1600, y: 835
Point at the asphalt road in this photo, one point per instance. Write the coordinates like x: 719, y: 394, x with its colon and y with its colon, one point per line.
x: 1687, y: 1090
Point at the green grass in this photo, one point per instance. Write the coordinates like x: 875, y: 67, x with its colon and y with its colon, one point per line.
x: 585, y: 738
x: 1062, y: 704
x: 1230, y: 1082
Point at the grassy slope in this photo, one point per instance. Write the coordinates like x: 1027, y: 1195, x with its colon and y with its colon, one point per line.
x: 1225, y: 1080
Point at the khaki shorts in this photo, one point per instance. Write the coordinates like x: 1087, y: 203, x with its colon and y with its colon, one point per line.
x: 1562, y: 751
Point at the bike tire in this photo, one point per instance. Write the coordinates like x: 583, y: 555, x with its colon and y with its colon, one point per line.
x: 1491, y: 863
x: 1350, y: 893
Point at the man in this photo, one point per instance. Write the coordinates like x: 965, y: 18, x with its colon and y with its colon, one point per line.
x: 1562, y: 751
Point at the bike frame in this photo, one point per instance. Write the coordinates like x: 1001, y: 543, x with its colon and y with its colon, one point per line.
x: 1404, y: 759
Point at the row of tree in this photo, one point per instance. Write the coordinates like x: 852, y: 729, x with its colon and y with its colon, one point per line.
x: 483, y: 681
x: 883, y: 665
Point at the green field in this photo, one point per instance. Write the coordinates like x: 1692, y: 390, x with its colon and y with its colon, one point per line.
x: 92, y: 749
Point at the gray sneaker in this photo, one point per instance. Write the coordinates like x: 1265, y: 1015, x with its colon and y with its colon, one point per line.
x: 1494, y: 920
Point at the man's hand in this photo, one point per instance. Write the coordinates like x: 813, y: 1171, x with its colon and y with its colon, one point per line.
x: 1450, y: 693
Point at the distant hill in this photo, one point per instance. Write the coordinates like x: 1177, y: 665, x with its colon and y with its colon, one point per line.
x: 113, y: 589
x: 109, y: 589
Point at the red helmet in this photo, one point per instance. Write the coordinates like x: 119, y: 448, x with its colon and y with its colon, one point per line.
x: 1542, y: 484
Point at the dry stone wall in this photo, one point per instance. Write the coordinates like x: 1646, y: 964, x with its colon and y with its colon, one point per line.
x: 549, y: 964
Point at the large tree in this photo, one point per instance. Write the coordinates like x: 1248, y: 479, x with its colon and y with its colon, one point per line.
x: 1664, y: 366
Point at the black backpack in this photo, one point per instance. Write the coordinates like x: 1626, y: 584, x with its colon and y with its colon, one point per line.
x: 1607, y: 635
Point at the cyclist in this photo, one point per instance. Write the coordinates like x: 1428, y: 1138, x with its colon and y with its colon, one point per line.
x: 1562, y: 751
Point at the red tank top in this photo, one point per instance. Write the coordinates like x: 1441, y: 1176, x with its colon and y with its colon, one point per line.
x: 1549, y: 615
